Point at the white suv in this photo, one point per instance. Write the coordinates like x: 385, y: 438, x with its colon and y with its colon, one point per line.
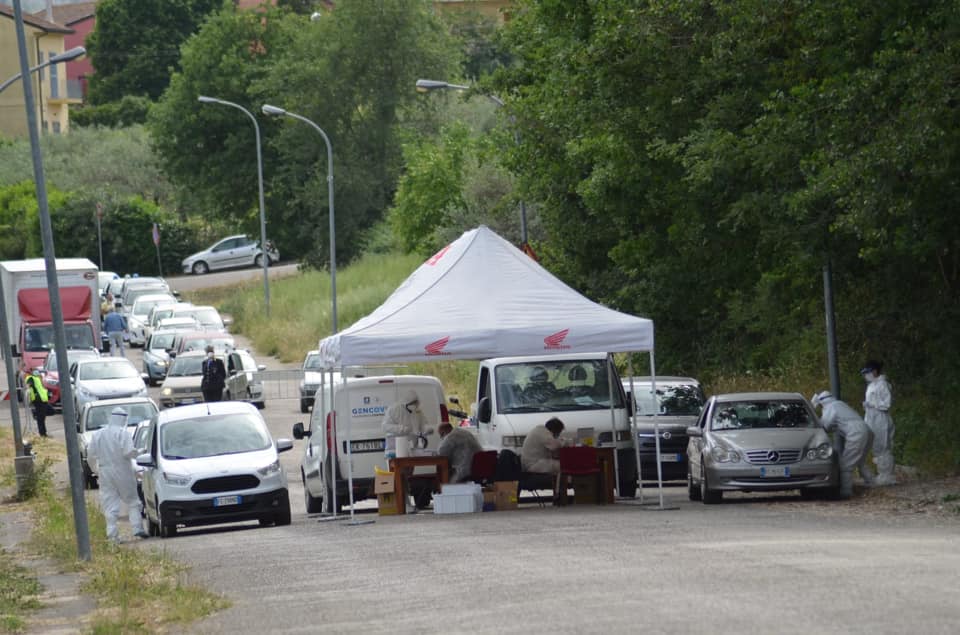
x: 212, y: 463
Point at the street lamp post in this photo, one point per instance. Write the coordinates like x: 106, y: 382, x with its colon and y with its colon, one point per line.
x: 427, y: 85
x: 275, y: 111
x: 66, y: 56
x: 81, y: 526
x: 263, y: 218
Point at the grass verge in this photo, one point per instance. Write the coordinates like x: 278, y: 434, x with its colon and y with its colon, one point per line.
x: 18, y: 591
x: 138, y: 591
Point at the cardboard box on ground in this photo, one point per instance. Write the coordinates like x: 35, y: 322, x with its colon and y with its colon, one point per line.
x: 386, y: 497
x: 505, y: 495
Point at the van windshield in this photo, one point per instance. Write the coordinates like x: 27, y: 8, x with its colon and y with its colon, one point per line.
x: 553, y: 386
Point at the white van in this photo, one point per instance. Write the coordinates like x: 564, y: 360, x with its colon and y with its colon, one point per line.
x: 361, y: 404
x: 516, y: 394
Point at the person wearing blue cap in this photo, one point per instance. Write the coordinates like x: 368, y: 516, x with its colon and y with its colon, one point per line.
x: 876, y: 407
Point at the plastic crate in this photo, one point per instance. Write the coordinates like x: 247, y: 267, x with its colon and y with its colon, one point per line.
x: 455, y: 504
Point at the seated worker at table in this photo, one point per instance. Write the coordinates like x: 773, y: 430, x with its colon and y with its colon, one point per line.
x: 459, y: 446
x: 539, y: 451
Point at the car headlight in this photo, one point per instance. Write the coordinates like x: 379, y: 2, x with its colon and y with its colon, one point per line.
x: 723, y: 455
x: 167, y: 392
x: 273, y: 468
x: 159, y: 362
x: 824, y: 451
x: 53, y: 382
x: 176, y: 479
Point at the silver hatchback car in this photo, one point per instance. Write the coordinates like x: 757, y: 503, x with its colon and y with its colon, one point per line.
x: 763, y: 441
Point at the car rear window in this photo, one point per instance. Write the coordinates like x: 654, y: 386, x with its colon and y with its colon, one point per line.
x: 672, y: 401
x: 213, y: 435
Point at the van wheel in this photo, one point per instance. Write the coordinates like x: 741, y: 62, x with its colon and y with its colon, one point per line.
x: 167, y: 530
x: 628, y: 486
x: 283, y: 517
x: 313, y: 504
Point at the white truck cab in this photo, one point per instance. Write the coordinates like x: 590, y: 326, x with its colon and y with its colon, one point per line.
x: 516, y: 394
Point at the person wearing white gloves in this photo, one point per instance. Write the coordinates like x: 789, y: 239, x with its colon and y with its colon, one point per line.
x: 876, y: 408
x: 112, y: 448
x: 855, y: 439
x: 405, y: 424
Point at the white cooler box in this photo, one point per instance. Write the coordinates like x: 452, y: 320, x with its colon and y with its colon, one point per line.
x: 458, y: 498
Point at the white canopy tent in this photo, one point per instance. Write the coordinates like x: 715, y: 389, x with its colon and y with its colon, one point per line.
x: 481, y: 297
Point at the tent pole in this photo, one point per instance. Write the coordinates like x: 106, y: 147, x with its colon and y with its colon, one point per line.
x: 634, y: 434
x: 611, y: 373
x: 656, y: 426
x: 353, y: 521
x: 330, y: 465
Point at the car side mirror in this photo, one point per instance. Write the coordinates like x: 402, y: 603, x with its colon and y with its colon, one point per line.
x: 454, y: 399
x: 145, y: 377
x: 629, y: 403
x: 694, y: 431
x: 172, y: 353
x: 261, y: 367
x: 13, y: 351
x: 227, y: 321
x: 284, y: 444
x: 145, y: 460
x: 483, y: 410
x: 299, y: 432
x: 78, y: 428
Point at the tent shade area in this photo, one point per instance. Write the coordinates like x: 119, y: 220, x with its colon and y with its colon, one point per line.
x: 481, y: 297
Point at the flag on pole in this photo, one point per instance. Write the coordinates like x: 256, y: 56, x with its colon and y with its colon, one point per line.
x: 156, y: 235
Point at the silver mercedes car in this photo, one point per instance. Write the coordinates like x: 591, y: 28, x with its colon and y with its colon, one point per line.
x: 753, y: 442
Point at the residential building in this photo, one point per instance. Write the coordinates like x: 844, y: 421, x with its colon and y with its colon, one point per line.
x: 81, y: 17
x: 52, y: 103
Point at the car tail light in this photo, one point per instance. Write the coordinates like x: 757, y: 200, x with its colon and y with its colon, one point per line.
x: 331, y: 431
x: 444, y: 414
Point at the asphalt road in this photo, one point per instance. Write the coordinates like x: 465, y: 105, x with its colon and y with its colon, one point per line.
x: 753, y: 564
x: 226, y: 278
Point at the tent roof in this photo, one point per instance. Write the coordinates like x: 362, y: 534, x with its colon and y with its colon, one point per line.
x: 481, y: 297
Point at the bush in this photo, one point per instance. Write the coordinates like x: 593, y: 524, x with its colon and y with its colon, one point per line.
x: 128, y: 111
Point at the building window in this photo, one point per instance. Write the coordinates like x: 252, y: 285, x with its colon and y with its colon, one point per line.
x: 56, y: 127
x: 54, y: 80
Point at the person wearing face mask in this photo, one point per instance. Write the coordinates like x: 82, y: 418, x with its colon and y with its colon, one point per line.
x: 876, y: 407
x: 214, y: 377
x: 853, y: 442
x: 111, y: 450
x: 405, y: 424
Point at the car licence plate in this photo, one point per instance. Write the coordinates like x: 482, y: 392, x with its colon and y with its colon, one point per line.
x: 671, y: 458
x: 224, y: 501
x: 774, y: 471
x: 372, y: 445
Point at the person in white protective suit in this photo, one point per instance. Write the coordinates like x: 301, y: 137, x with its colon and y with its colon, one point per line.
x: 854, y: 439
x: 404, y: 424
x: 112, y: 449
x: 404, y: 421
x: 459, y: 446
x: 876, y: 408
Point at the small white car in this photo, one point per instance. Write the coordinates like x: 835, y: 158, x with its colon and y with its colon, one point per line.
x: 312, y: 366
x: 243, y: 384
x: 96, y: 415
x: 232, y: 251
x: 137, y: 318
x: 105, y: 378
x: 212, y: 463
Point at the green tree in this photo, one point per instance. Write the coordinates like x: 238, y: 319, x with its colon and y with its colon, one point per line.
x: 136, y: 44
x: 128, y: 111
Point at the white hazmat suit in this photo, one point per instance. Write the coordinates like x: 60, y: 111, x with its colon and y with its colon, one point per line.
x: 854, y: 436
x: 459, y: 446
x: 876, y: 407
x: 404, y: 422
x: 112, y: 449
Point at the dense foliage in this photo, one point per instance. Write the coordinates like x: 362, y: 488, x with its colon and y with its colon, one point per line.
x: 136, y: 42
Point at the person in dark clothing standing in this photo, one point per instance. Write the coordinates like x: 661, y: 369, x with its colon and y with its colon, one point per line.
x: 214, y: 376
x: 38, y: 398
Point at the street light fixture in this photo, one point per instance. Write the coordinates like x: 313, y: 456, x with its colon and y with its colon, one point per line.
x: 427, y: 85
x: 66, y: 56
x: 274, y: 111
x: 263, y: 218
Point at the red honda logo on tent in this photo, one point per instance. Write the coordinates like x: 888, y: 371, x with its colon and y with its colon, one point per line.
x: 435, y: 258
x: 4, y: 395
x: 555, y: 341
x: 436, y: 348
